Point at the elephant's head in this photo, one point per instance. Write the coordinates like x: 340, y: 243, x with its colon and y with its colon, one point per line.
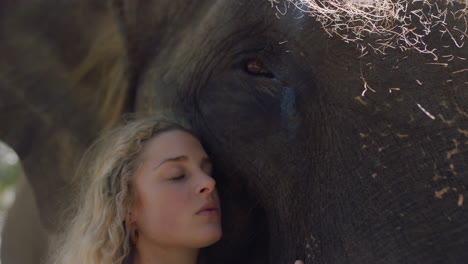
x: 339, y: 155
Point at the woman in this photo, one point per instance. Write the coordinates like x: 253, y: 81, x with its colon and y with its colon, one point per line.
x: 150, y: 199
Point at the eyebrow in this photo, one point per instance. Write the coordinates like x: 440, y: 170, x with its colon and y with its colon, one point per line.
x: 179, y: 158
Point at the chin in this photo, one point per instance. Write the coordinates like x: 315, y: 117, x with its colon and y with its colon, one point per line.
x: 209, y: 238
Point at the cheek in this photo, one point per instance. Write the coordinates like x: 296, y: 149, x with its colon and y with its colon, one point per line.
x: 163, y: 211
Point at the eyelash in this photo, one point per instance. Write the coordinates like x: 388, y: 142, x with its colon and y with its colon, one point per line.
x: 178, y: 178
x: 181, y: 177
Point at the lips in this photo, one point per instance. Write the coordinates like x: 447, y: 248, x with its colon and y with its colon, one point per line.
x: 208, y: 209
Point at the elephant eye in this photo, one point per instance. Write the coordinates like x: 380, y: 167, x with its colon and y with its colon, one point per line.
x: 258, y: 68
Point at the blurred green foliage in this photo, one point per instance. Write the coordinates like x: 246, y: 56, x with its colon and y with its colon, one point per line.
x: 9, y: 175
x: 10, y: 167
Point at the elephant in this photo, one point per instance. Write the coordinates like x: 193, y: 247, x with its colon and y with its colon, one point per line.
x: 338, y: 133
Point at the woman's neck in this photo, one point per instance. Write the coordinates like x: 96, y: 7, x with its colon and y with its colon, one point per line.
x: 146, y: 253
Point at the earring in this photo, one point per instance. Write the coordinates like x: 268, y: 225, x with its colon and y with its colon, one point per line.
x: 134, y: 235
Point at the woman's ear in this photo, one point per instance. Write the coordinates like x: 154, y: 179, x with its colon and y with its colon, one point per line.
x: 130, y: 219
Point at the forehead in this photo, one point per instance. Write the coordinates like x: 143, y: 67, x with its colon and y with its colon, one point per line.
x: 170, y: 144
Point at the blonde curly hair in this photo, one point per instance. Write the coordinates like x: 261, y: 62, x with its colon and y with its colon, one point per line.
x: 96, y: 233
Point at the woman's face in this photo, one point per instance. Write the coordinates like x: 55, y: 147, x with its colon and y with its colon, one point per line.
x: 176, y: 203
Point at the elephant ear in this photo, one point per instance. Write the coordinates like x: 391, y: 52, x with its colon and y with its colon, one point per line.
x: 62, y: 80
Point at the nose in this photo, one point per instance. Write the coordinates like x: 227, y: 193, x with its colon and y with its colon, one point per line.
x: 206, y: 184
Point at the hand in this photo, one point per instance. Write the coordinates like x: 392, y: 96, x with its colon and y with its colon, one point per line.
x: 298, y: 262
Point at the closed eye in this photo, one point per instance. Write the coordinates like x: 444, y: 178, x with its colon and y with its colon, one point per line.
x: 178, y: 178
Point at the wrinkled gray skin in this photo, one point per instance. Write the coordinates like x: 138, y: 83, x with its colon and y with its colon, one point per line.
x: 307, y: 167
